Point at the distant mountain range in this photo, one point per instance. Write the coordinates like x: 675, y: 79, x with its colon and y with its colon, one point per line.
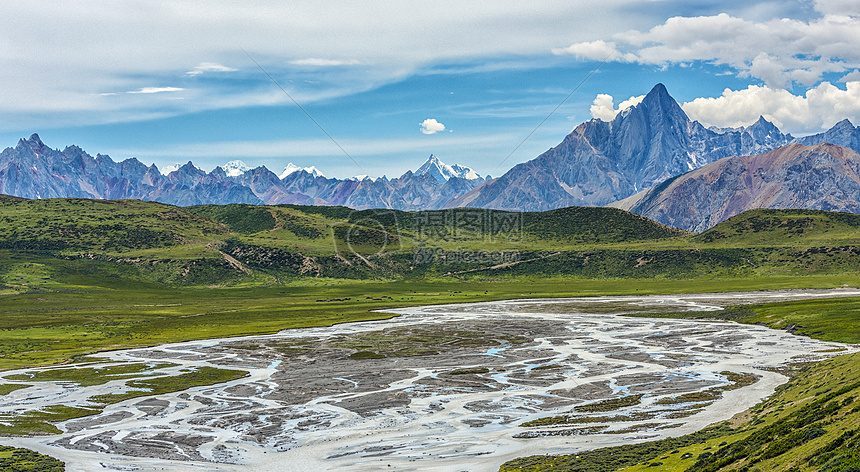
x: 597, y: 164
x: 33, y: 170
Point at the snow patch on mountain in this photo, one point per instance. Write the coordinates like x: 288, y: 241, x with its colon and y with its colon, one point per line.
x: 168, y: 169
x: 294, y: 168
x: 442, y: 172
x: 235, y: 168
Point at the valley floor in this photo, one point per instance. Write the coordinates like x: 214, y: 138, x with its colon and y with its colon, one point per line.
x: 444, y: 387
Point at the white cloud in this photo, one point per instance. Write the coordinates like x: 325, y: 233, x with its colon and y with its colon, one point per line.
x: 778, y: 51
x: 431, y: 126
x: 818, y: 109
x: 156, y: 90
x: 838, y: 7
x: 209, y: 67
x: 603, y: 107
x: 851, y: 77
x: 315, y: 62
x: 598, y: 50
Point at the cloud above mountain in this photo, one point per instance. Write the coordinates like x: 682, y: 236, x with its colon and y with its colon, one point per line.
x: 604, y: 107
x: 818, y: 109
x: 778, y: 51
x: 431, y: 126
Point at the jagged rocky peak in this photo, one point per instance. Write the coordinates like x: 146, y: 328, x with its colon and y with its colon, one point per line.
x: 442, y: 172
x: 844, y: 124
x: 35, y: 143
x: 763, y: 130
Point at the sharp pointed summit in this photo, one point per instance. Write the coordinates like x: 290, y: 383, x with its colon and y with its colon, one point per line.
x: 443, y: 172
x: 843, y: 133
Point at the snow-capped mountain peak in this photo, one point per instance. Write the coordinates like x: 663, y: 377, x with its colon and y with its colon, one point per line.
x: 168, y: 169
x: 442, y: 172
x: 294, y: 168
x: 235, y: 168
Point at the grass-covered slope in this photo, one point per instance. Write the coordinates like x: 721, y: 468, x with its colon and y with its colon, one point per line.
x: 229, y: 244
x: 107, y: 226
x: 211, y: 244
x: 770, y: 228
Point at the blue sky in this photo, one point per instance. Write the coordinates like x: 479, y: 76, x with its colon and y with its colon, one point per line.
x: 170, y: 81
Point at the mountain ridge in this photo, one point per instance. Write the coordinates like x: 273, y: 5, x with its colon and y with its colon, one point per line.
x: 600, y: 162
x: 820, y: 177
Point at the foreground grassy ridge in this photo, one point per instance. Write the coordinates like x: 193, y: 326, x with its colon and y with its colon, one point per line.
x: 812, y: 423
x: 230, y: 244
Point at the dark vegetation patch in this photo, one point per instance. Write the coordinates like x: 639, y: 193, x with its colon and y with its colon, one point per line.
x: 245, y: 219
x: 87, y: 376
x: 611, y: 404
x: 199, y: 377
x: 366, y: 355
x: 20, y: 460
x: 469, y: 371
x: 569, y: 419
x: 612, y: 458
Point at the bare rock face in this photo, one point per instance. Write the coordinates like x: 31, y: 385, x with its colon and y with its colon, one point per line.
x: 843, y: 133
x: 820, y: 177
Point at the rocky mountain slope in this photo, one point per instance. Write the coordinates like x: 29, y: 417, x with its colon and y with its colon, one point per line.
x: 820, y: 177
x: 601, y: 162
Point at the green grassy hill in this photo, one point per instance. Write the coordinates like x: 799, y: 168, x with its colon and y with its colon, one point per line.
x: 68, y: 226
x: 770, y: 228
x: 211, y: 244
x: 230, y: 244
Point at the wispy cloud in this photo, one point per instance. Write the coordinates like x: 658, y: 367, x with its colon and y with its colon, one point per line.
x: 316, y: 62
x: 157, y: 90
x: 209, y: 67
